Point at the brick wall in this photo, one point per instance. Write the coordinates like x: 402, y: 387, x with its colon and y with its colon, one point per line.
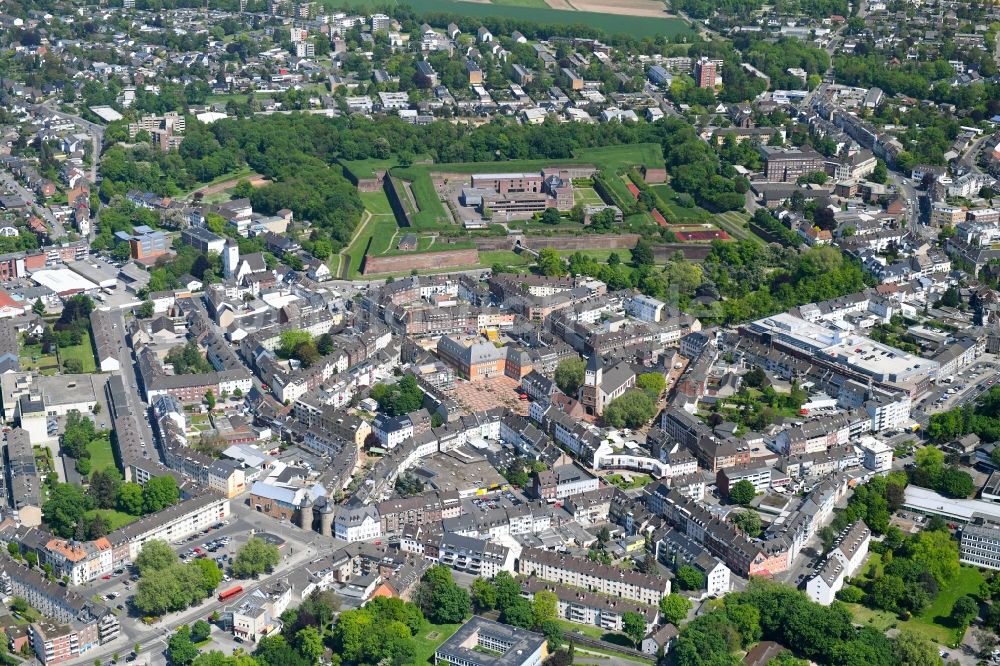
x: 428, y: 260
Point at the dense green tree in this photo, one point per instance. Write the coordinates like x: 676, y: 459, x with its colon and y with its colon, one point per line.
x: 129, y: 499
x: 64, y: 509
x: 633, y: 409
x: 103, y: 488
x: 653, y: 383
x: 484, y: 594
x: 187, y: 359
x: 642, y: 254
x: 550, y: 263
x: 689, y: 578
x: 544, y: 607
x: 569, y: 375
x: 211, y: 574
x: 155, y: 555
x: 309, y: 643
x: 748, y: 521
x: 390, y: 609
x: 518, y: 613
x: 634, y: 626
x: 200, y: 631
x: 440, y: 598
x: 914, y: 649
x: 397, y: 399
x: 553, y: 633
x: 551, y: 216
x: 182, y: 651
x: 159, y: 493
x: 964, y: 610
x: 674, y: 608
x: 938, y: 552
x: 275, y: 650
x: 255, y: 557
x: 507, y: 589
x: 742, y: 492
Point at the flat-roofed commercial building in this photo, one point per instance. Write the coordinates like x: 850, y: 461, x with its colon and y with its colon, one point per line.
x: 980, y: 545
x: 855, y: 356
x: 482, y: 642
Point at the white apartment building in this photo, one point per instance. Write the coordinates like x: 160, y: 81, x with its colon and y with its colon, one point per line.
x: 852, y: 547
x: 592, y: 576
x: 877, y: 456
x: 645, y: 308
x: 823, y: 587
x: 359, y: 523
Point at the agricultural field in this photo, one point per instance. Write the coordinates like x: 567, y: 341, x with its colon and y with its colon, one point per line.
x: 611, y: 18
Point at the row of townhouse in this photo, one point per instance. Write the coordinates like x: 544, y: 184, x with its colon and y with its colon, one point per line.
x: 224, y: 476
x: 582, y: 439
x: 189, y: 389
x: 582, y: 607
x: 712, y: 453
x: 485, y: 425
x: 823, y: 433
x: 426, y: 508
x: 442, y: 320
x: 742, y: 555
x: 674, y: 549
x: 503, y: 521
x: 609, y: 580
x: 469, y: 554
x: 845, y: 560
x: 82, y: 562
x: 73, y: 625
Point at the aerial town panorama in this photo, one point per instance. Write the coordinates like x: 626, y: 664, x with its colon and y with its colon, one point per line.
x: 500, y: 333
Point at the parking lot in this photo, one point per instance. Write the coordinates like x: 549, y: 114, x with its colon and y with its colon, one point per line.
x: 505, y: 498
x: 207, y: 549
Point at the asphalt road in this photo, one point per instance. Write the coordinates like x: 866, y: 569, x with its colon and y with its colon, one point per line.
x: 8, y: 180
x: 95, y: 131
x: 300, y: 548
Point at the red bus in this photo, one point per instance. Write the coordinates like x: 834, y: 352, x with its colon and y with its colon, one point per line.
x: 230, y: 593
